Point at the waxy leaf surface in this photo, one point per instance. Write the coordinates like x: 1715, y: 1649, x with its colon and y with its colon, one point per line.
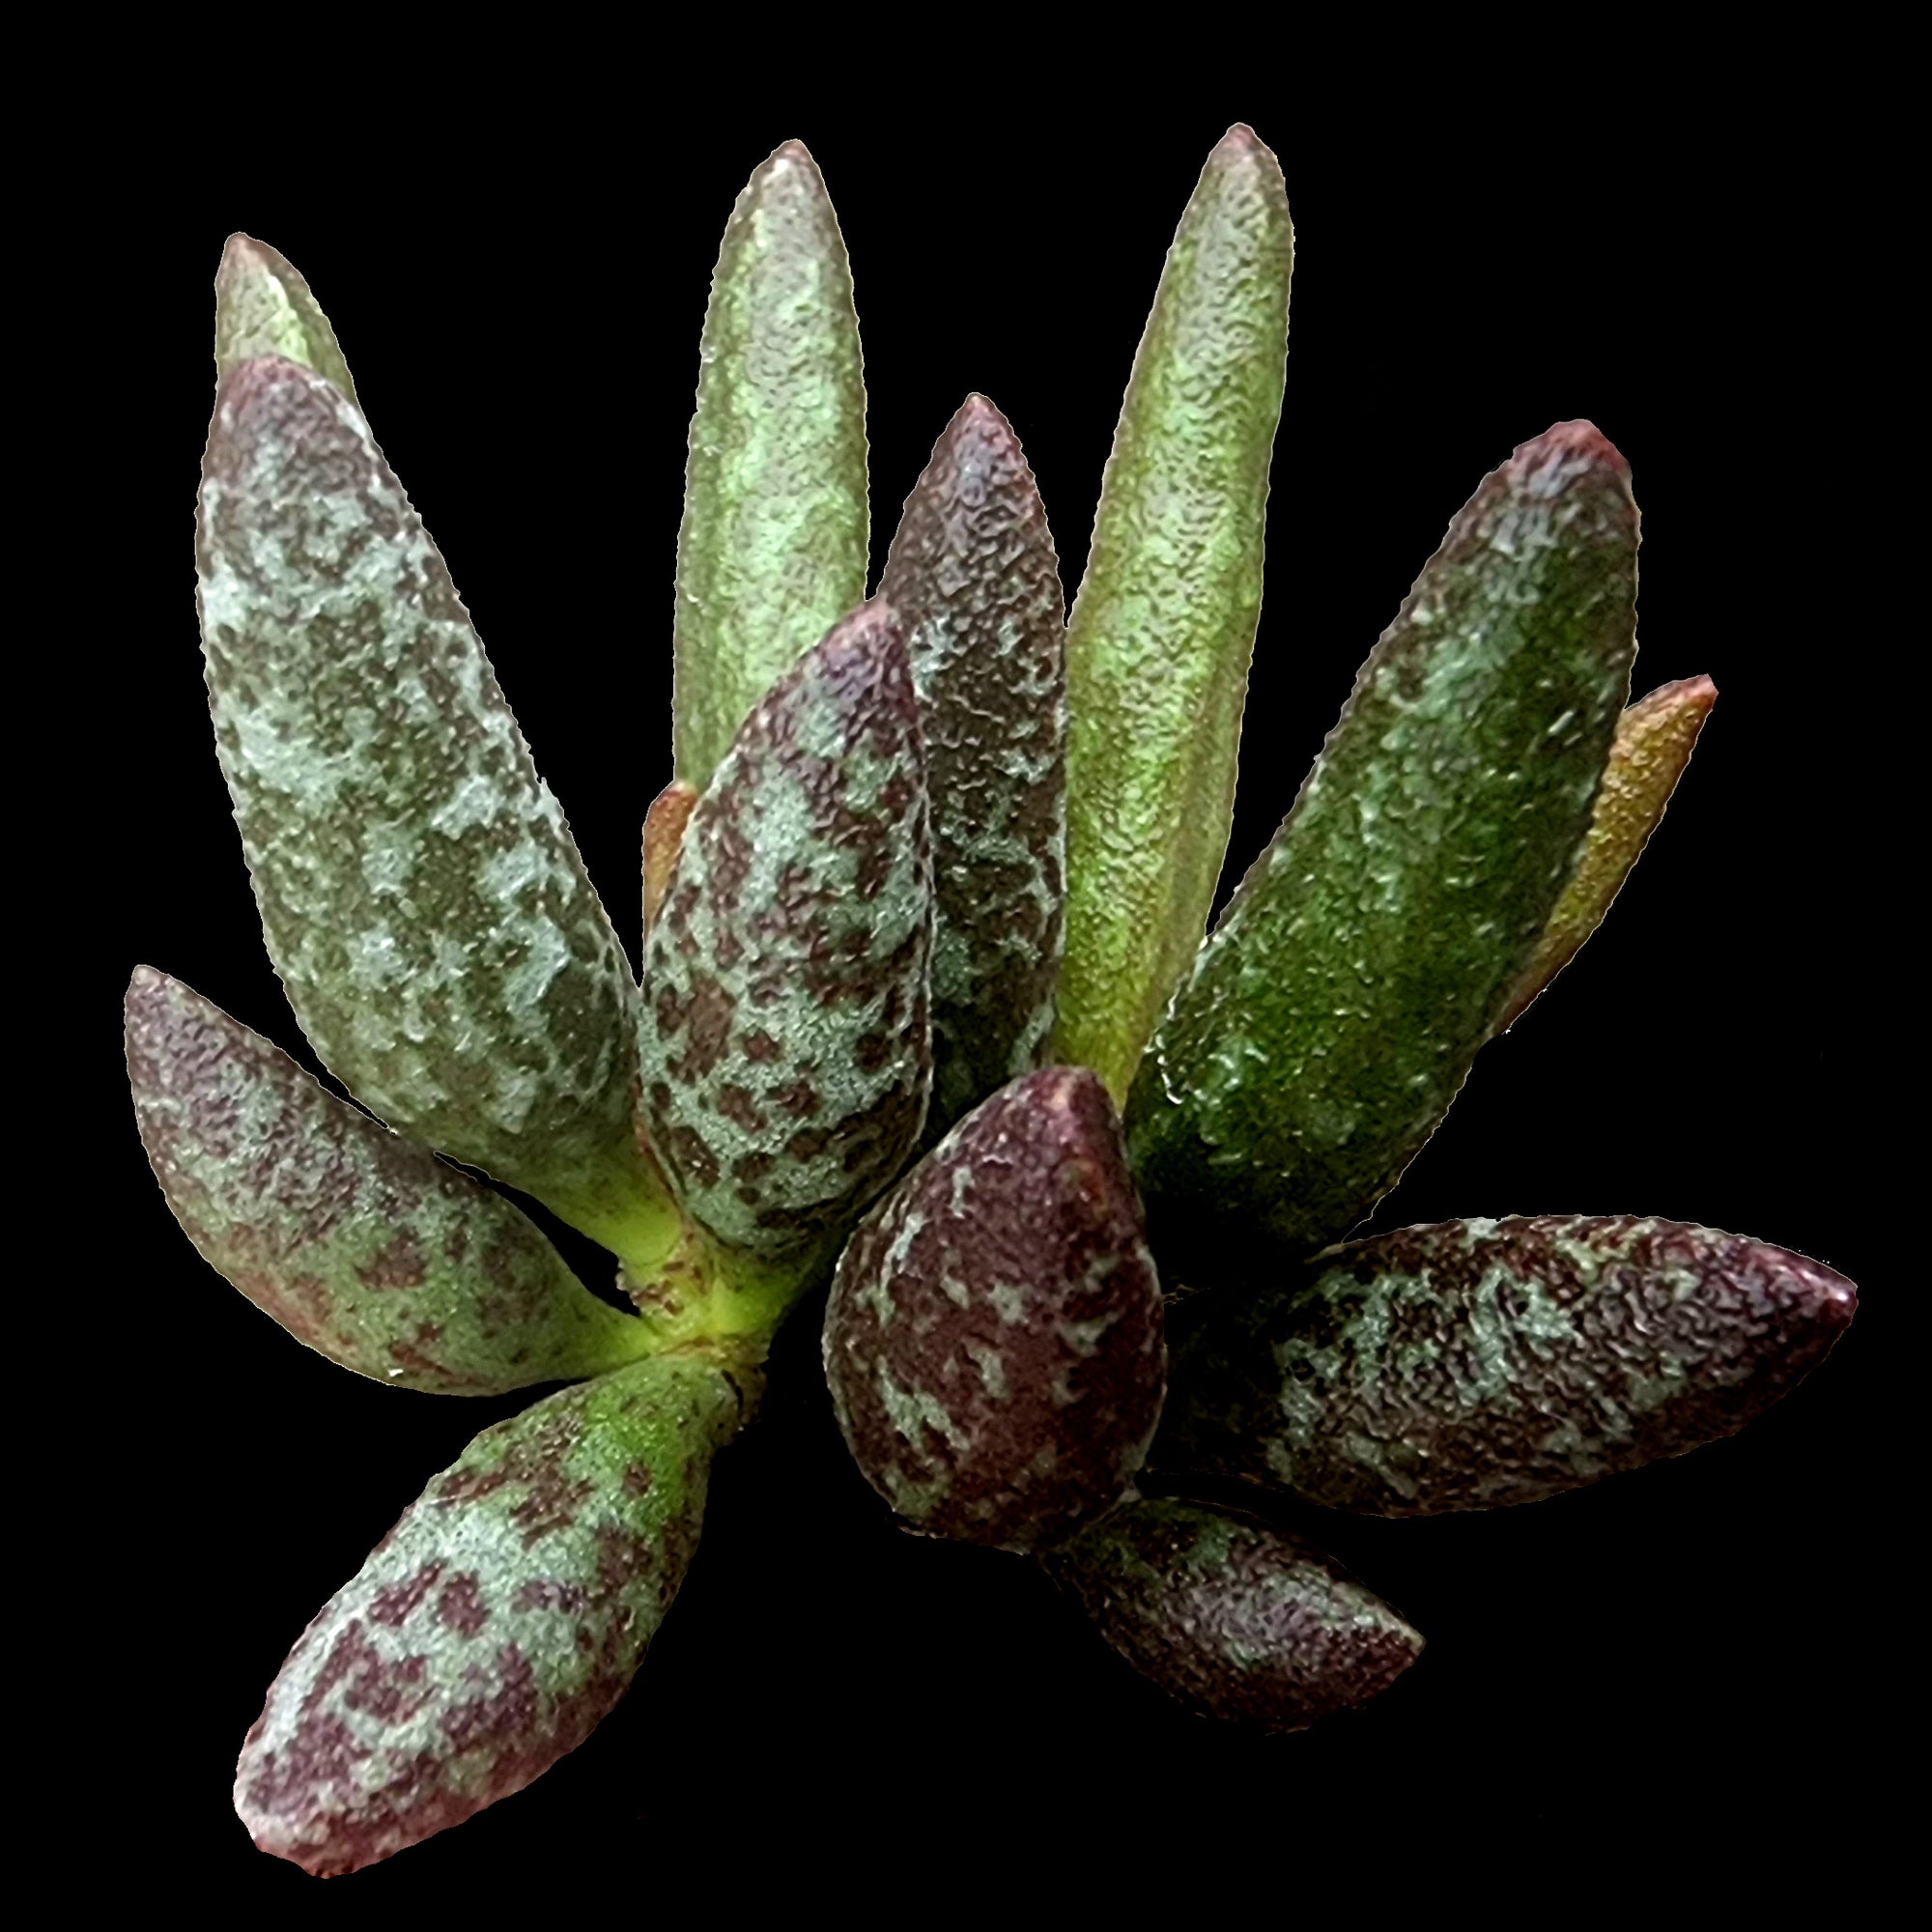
x: 772, y: 550
x: 421, y: 894
x: 1235, y: 1619
x: 993, y: 1336
x: 263, y: 307
x: 1471, y: 1364
x: 1163, y: 627
x: 362, y: 1245
x: 1654, y: 742
x: 1374, y: 947
x: 493, y: 1627
x: 973, y: 575
x: 786, y: 1041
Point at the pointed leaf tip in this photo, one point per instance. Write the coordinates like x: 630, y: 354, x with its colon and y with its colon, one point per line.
x: 262, y: 306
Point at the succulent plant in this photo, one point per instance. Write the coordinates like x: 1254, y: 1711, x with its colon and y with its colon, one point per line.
x: 930, y: 1021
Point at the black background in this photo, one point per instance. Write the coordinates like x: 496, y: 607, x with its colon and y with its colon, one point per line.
x: 1686, y: 1660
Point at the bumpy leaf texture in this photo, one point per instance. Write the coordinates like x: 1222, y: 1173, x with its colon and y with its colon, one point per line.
x: 1373, y: 948
x: 1476, y: 1363
x: 493, y: 1627
x: 772, y: 550
x: 263, y: 307
x: 1654, y: 742
x: 361, y: 1244
x: 1163, y: 627
x: 1230, y: 1617
x: 787, y: 1043
x: 993, y: 1336
x: 973, y: 576
x: 421, y: 894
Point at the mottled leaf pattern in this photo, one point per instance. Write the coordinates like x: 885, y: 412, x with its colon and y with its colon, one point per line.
x: 993, y: 1336
x: 1476, y: 1363
x: 263, y: 307
x: 772, y: 550
x: 1372, y: 949
x: 1163, y: 628
x: 1230, y: 1617
x: 1654, y: 742
x: 664, y: 838
x: 493, y: 1627
x: 422, y: 897
x: 361, y: 1244
x: 785, y: 1040
x: 973, y: 575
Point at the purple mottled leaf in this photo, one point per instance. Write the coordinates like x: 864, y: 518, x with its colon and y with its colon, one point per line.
x: 993, y: 1337
x: 361, y: 1244
x: 1472, y: 1364
x: 493, y: 1627
x: 973, y: 575
x: 1230, y: 1617
x: 785, y: 1040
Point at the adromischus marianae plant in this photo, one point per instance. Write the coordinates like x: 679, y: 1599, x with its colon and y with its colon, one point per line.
x: 925, y: 1011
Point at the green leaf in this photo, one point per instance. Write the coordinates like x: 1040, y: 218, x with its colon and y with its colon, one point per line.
x: 1163, y: 628
x: 420, y: 892
x: 973, y: 575
x: 495, y: 1625
x: 772, y: 550
x: 1654, y: 742
x: 1373, y: 948
x: 1233, y: 1618
x: 785, y: 1040
x: 1477, y: 1363
x: 263, y: 307
x: 365, y: 1246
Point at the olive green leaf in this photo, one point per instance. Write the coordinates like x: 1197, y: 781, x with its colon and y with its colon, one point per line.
x: 361, y: 1244
x: 1163, y: 627
x: 420, y: 892
x: 1476, y: 1363
x: 973, y: 575
x: 772, y: 550
x: 263, y: 307
x: 785, y: 1040
x: 1233, y: 1618
x: 1372, y: 949
x: 1654, y: 742
x: 495, y: 1625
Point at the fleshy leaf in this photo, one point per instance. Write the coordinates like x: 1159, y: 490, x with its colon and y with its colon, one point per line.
x: 495, y: 1625
x: 772, y: 550
x: 1372, y: 949
x: 973, y: 576
x: 365, y: 1246
x: 421, y: 894
x: 786, y: 1038
x: 1233, y: 1618
x: 993, y: 1336
x: 668, y: 814
x: 1163, y: 628
x: 1654, y: 742
x: 263, y: 307
x: 1471, y: 1364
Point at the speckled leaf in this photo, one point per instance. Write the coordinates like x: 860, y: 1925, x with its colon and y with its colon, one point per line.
x: 365, y: 1246
x: 993, y: 1336
x: 668, y: 814
x: 1654, y: 742
x: 1163, y: 628
x: 263, y: 307
x: 1233, y: 1618
x: 772, y: 550
x: 1373, y: 948
x: 421, y: 894
x: 973, y: 576
x: 786, y: 1038
x: 1475, y: 1363
x: 493, y: 1627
